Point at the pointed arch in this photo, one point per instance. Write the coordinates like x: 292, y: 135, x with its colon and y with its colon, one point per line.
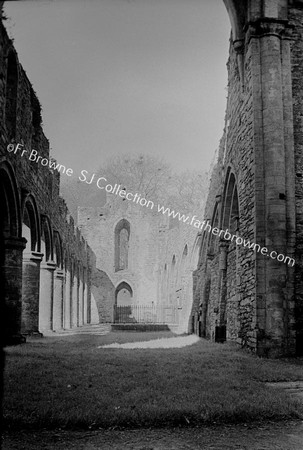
x: 230, y: 215
x: 213, y: 239
x: 58, y: 250
x: 9, y: 202
x: 31, y: 228
x: 123, y: 294
x: 197, y: 247
x: 122, y: 235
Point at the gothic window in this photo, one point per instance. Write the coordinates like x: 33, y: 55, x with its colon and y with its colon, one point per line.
x: 122, y: 233
x: 231, y: 204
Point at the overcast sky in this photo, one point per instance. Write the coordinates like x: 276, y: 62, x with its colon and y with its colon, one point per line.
x: 120, y: 76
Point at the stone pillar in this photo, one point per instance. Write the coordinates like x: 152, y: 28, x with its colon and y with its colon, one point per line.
x: 88, y: 296
x: 85, y: 304
x: 269, y: 47
x: 30, y: 292
x: 81, y: 303
x: 67, y: 301
x: 11, y: 273
x: 46, y: 295
x: 58, y: 300
x: 75, y: 303
x: 220, y: 330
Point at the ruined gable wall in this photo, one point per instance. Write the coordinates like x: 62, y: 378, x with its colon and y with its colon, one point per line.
x: 98, y: 227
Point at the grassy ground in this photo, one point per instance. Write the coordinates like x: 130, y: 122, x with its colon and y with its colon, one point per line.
x: 68, y: 382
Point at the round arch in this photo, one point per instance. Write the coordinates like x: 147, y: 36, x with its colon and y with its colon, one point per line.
x: 10, y: 224
x: 46, y: 239
x: 58, y: 250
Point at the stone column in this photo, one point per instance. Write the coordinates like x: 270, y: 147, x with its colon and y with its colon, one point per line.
x: 222, y: 292
x: 46, y: 295
x: 58, y: 300
x: 81, y: 303
x: 11, y: 274
x: 274, y: 184
x: 67, y: 301
x: 75, y: 303
x: 85, y: 304
x: 30, y: 292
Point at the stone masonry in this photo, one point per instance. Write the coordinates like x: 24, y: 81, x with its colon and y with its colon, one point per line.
x: 242, y: 295
x: 46, y: 265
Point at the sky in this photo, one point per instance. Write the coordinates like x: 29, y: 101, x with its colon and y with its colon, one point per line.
x: 126, y: 76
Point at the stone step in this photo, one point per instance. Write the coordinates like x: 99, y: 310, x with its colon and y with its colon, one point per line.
x: 96, y: 329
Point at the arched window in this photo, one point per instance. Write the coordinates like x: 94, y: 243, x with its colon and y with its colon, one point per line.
x: 122, y: 233
x: 231, y: 204
x: 31, y: 225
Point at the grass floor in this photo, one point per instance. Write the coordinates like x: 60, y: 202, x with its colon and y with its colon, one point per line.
x: 69, y: 383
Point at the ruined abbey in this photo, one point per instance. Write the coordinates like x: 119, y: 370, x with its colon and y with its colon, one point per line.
x: 58, y: 274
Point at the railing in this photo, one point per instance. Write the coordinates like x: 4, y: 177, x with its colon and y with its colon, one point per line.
x: 145, y: 314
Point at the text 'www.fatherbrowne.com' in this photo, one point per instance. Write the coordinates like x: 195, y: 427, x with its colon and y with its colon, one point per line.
x: 116, y: 189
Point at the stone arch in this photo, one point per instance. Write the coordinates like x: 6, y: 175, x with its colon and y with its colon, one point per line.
x: 122, y: 235
x: 123, y: 311
x: 31, y: 266
x: 196, y: 251
x: 213, y: 240
x: 123, y: 286
x: 230, y: 214
x: 237, y: 12
x: 46, y: 239
x: 58, y: 250
x: 11, y: 248
x: 11, y: 95
x: 10, y: 224
x: 31, y: 228
x: 228, y: 266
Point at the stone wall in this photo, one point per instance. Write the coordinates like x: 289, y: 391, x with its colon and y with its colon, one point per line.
x: 154, y: 243
x: 240, y: 294
x: 47, y: 265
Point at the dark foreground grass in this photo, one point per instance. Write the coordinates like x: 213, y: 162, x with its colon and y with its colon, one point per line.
x: 70, y: 383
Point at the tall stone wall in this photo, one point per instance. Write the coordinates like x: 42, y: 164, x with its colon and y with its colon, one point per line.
x: 46, y: 265
x: 240, y: 294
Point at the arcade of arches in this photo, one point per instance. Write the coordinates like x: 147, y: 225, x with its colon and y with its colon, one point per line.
x: 45, y: 263
x: 256, y: 187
